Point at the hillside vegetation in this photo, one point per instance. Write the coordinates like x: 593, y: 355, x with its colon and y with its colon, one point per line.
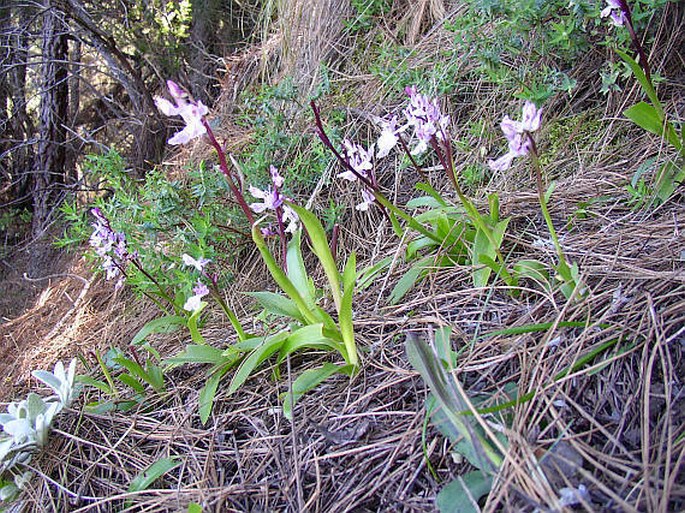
x: 397, y: 256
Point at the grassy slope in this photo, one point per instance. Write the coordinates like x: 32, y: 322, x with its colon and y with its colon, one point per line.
x: 360, y: 445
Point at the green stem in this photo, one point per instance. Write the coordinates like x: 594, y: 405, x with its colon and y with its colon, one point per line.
x: 413, y: 223
x: 447, y: 162
x: 162, y: 292
x: 281, y: 278
x: 563, y: 265
x: 229, y: 313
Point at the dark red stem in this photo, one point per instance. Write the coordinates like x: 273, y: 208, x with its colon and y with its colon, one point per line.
x: 223, y: 165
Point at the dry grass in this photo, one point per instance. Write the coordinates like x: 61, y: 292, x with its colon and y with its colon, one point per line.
x: 615, y: 425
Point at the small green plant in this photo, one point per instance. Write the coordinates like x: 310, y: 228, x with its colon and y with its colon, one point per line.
x: 365, y: 12
x: 471, y: 436
x: 26, y: 425
x: 12, y: 217
x: 126, y: 380
x: 552, y: 35
x: 274, y: 117
x: 521, y: 142
x: 161, y: 218
x: 649, y: 116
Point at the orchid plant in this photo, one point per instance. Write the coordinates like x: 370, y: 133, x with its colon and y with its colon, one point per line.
x: 650, y: 117
x: 112, y: 247
x: 314, y: 327
x: 126, y: 379
x: 310, y: 326
x: 519, y: 135
x: 480, y: 238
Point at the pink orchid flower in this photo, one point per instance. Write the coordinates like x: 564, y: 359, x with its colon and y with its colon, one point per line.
x: 191, y: 112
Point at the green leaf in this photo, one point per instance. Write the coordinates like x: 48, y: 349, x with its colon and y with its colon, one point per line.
x: 132, y: 383
x: 146, y: 478
x: 366, y: 276
x: 280, y: 277
x: 208, y: 392
x: 668, y: 179
x: 483, y: 247
x: 432, y: 216
x: 647, y: 86
x: 432, y: 192
x: 138, y: 371
x: 195, y: 334
x: 458, y: 496
x: 155, y: 377
x: 418, y: 244
x: 643, y: 168
x: 130, y: 365
x: 269, y: 346
x: 297, y: 272
x: 198, y: 354
x: 451, y: 431
x: 451, y: 400
x: 311, y: 337
x: 550, y: 191
x: 396, y: 226
x: 193, y: 507
x: 96, y: 383
x: 244, y: 346
x: 407, y: 282
x: 544, y: 326
x: 345, y: 315
x: 100, y: 407
x: 307, y: 381
x: 443, y: 345
x: 164, y: 324
x: 533, y: 269
x: 493, y: 202
x: 278, y: 304
x: 424, y: 201
x: 647, y: 117
x: 322, y: 250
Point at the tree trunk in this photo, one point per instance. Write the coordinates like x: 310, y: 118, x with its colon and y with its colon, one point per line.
x: 54, y: 101
x: 19, y: 131
x: 5, y: 144
x: 203, y: 36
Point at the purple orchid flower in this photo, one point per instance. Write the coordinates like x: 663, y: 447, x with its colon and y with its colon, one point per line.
x: 616, y: 12
x: 111, y: 246
x: 191, y: 112
x: 272, y: 199
x: 194, y: 302
x: 518, y: 135
x: 423, y: 113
